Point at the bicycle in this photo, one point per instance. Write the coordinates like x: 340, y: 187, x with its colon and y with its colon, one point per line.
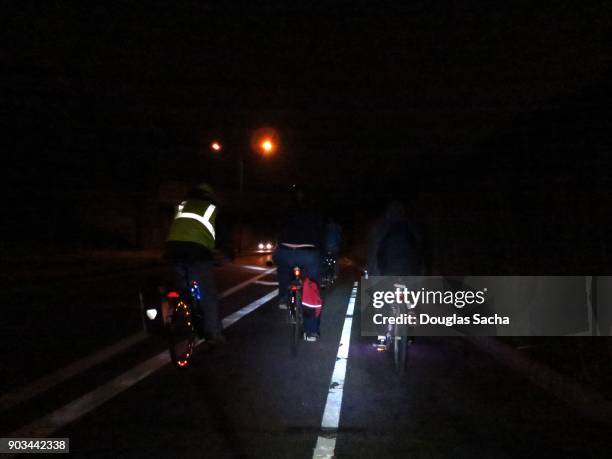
x: 329, y: 271
x: 172, y: 314
x: 394, y: 339
x: 296, y: 316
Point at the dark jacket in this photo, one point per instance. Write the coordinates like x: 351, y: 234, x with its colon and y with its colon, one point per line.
x: 303, y: 227
x: 395, y: 248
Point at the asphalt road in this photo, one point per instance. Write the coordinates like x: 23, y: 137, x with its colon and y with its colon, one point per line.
x: 250, y: 398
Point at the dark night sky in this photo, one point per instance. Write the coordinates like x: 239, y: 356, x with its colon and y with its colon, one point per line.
x: 100, y: 97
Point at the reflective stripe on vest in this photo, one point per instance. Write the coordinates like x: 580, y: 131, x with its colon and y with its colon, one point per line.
x: 203, y: 219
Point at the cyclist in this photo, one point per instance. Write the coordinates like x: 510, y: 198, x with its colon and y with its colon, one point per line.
x: 299, y: 244
x: 189, y: 248
x: 395, y: 247
x: 333, y: 235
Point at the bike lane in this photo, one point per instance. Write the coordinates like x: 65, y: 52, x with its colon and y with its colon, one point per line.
x: 249, y: 398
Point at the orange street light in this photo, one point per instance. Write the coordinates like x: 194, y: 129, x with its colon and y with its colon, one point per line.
x: 265, y: 141
x: 216, y: 146
x: 267, y: 146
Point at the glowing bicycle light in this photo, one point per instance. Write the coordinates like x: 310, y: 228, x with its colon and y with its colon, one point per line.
x: 151, y: 314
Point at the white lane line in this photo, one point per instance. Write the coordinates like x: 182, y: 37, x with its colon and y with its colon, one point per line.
x: 326, y: 442
x: 43, y: 384
x: 59, y: 418
x: 266, y: 283
x: 72, y: 411
x: 254, y: 267
x: 236, y: 316
x: 50, y: 380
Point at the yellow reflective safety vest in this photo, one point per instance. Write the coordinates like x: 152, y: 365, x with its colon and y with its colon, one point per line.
x: 195, y: 222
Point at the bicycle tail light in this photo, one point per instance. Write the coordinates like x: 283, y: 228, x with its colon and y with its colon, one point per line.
x: 172, y: 294
x: 296, y: 272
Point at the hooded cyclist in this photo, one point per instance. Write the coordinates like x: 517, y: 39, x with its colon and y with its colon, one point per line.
x: 299, y: 244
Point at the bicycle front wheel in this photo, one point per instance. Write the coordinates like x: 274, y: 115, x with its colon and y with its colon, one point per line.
x: 181, y: 334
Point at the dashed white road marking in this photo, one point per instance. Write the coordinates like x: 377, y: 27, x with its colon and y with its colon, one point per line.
x: 236, y: 316
x: 43, y: 384
x: 254, y: 267
x: 266, y: 283
x: 72, y: 411
x: 326, y: 442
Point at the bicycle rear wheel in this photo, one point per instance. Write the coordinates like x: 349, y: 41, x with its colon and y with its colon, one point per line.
x: 295, y: 322
x: 181, y: 334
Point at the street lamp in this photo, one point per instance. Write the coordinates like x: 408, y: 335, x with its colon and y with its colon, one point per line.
x: 265, y: 142
x: 267, y: 146
x: 216, y: 146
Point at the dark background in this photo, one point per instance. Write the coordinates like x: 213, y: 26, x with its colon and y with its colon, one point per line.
x: 491, y: 122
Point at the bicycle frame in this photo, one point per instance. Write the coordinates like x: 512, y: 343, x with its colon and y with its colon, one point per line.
x: 295, y: 308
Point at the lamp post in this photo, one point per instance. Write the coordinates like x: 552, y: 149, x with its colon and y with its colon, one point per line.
x: 265, y: 143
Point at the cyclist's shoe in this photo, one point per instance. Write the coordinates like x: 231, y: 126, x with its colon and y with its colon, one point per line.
x: 312, y: 337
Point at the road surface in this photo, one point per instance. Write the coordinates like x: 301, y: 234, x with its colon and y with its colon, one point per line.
x: 75, y: 364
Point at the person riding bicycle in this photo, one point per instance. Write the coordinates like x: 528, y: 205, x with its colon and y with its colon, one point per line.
x: 333, y: 236
x: 299, y: 244
x: 189, y: 248
x: 395, y: 247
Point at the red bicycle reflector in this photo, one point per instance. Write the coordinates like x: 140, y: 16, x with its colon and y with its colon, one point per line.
x: 172, y: 295
x: 294, y: 288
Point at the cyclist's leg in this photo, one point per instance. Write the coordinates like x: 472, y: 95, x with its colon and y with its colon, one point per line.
x: 310, y: 260
x: 201, y: 272
x: 336, y: 254
x: 180, y: 270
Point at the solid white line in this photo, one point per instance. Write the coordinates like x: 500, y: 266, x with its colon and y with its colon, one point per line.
x: 50, y: 380
x: 72, y: 411
x: 326, y: 442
